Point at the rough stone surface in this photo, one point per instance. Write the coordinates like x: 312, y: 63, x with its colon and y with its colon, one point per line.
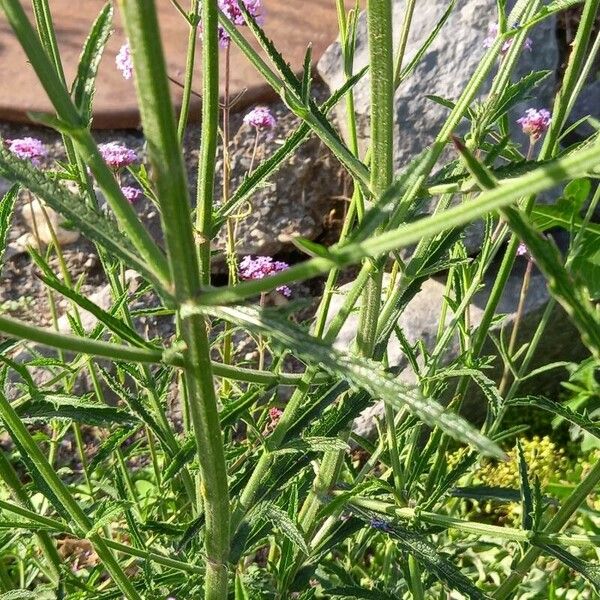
x: 43, y: 223
x: 293, y: 202
x: 444, y: 70
x: 292, y: 25
x: 587, y: 104
x: 419, y: 322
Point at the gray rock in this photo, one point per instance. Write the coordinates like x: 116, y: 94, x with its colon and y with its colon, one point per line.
x: 444, y: 70
x: 420, y: 319
x: 587, y: 104
x: 293, y: 202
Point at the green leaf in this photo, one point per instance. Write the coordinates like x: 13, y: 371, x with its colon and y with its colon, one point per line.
x: 310, y: 248
x: 590, y: 571
x: 90, y: 222
x: 106, y: 514
x: 547, y: 216
x: 82, y: 90
x: 7, y: 205
x: 560, y: 410
x: 527, y: 508
x: 424, y: 552
x: 570, y: 293
x: 80, y: 410
x: 348, y: 592
x: 586, y: 264
x: 280, y: 519
x: 483, y: 492
x: 306, y: 75
x: 358, y: 371
x: 109, y: 445
x: 313, y: 444
x: 515, y: 92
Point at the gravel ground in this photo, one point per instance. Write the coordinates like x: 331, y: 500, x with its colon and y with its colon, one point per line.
x: 23, y: 295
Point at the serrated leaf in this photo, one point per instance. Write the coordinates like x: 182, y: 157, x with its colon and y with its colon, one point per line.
x: 313, y: 444
x: 358, y: 371
x: 349, y: 592
x: 590, y: 571
x: 82, y: 90
x: 484, y: 492
x: 279, y: 518
x: 527, y: 508
x: 560, y: 410
x: 90, y: 222
x: 7, y: 205
x: 106, y: 514
x: 109, y: 445
x: 80, y: 410
x: 515, y: 92
x: 425, y: 553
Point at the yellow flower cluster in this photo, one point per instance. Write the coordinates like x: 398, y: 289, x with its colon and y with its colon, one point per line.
x: 544, y: 460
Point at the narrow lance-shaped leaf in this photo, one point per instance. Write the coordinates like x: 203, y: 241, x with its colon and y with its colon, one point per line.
x: 565, y: 289
x: 7, y: 205
x: 83, y: 217
x: 550, y: 174
x: 84, y: 84
x: 360, y: 372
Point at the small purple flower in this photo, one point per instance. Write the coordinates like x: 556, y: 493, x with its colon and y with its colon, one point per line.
x: 535, y: 122
x: 28, y: 148
x: 263, y: 266
x: 488, y: 42
x: 522, y: 250
x: 116, y: 155
x: 132, y: 194
x: 232, y: 10
x: 124, y: 61
x: 260, y: 118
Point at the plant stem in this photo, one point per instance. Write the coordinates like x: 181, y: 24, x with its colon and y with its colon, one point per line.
x: 209, y: 134
x: 571, y: 504
x: 381, y: 57
x: 158, y: 120
x: 189, y: 69
x: 515, y: 328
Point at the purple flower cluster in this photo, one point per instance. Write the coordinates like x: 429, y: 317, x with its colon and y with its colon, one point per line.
x: 124, y: 61
x: 263, y: 266
x: 260, y: 118
x: 117, y: 156
x: 493, y: 34
x: 28, y: 148
x: 535, y: 122
x: 522, y: 250
x: 132, y: 194
x: 235, y: 15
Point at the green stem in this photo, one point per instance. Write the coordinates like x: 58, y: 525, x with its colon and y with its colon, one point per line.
x: 165, y: 155
x: 62, y: 495
x: 381, y: 56
x: 571, y: 504
x: 189, y: 69
x: 209, y: 134
x: 71, y: 122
